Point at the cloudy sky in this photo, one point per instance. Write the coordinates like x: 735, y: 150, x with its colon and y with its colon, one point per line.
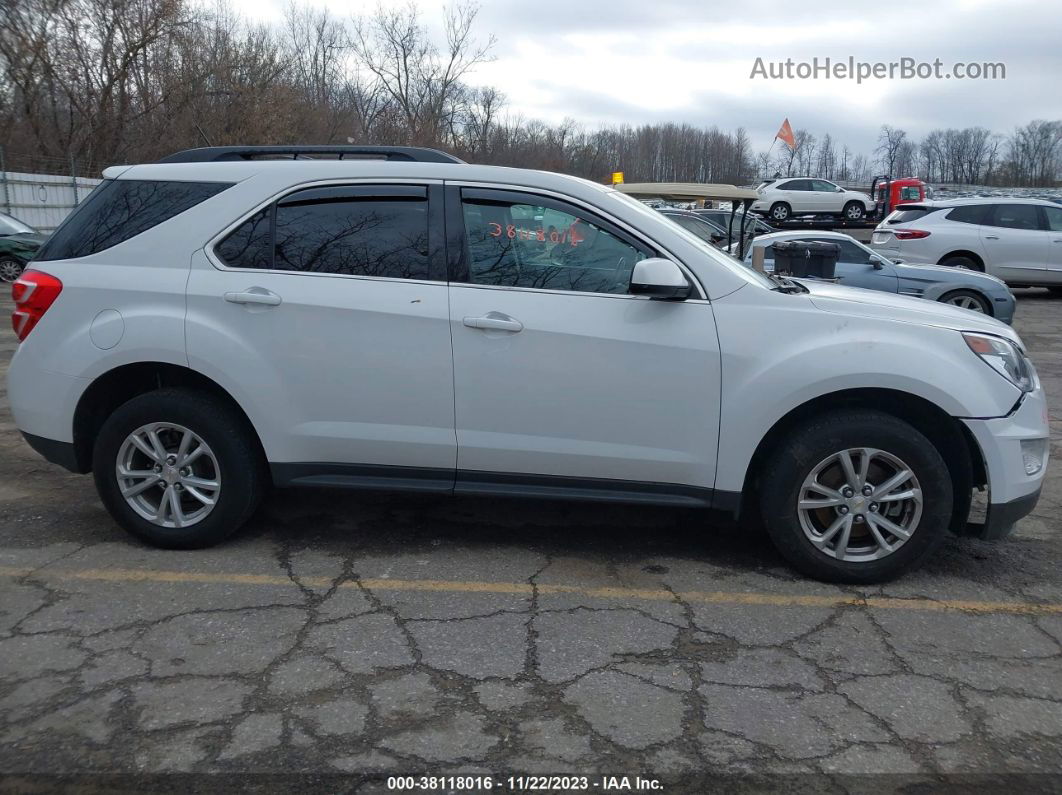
x: 631, y: 61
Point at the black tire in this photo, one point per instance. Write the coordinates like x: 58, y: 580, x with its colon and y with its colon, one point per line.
x: 854, y: 211
x: 962, y: 262
x: 957, y: 297
x: 780, y: 212
x: 243, y: 473
x: 797, y: 456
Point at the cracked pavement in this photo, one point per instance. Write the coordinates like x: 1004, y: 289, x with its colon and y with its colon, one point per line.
x: 345, y: 633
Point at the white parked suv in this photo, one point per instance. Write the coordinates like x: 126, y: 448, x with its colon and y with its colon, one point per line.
x: 207, y: 326
x: 781, y: 199
x: 1016, y: 240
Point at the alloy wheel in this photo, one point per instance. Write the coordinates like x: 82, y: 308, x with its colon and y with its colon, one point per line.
x: 967, y: 302
x: 10, y: 269
x: 860, y: 504
x: 168, y: 475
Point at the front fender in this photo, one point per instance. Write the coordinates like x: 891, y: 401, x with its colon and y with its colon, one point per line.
x: 780, y: 352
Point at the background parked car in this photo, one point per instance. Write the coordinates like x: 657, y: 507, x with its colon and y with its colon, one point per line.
x: 860, y: 266
x: 1018, y: 240
x: 18, y: 243
x: 705, y: 229
x: 721, y: 218
x: 783, y: 198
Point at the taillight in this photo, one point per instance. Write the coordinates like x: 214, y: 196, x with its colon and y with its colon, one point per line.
x: 910, y: 234
x: 33, y: 292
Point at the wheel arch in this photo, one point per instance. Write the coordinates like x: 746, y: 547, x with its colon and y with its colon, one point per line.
x: 977, y: 258
x: 951, y: 437
x: 114, y: 387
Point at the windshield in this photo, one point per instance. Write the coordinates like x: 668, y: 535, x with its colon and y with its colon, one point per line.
x: 11, y: 226
x: 714, y: 253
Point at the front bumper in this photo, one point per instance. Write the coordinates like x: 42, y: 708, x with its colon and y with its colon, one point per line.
x: 1005, y: 444
x: 1002, y: 517
x: 55, y: 452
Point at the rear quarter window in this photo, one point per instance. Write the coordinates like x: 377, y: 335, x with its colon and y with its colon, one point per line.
x: 119, y: 209
x: 970, y: 214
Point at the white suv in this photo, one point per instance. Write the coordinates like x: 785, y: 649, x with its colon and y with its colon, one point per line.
x: 1017, y: 240
x: 203, y: 327
x: 781, y: 199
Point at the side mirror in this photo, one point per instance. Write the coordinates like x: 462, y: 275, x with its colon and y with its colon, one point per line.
x: 877, y: 263
x: 660, y: 279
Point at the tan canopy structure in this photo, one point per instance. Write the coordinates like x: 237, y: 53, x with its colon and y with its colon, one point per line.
x: 686, y: 191
x: 694, y: 191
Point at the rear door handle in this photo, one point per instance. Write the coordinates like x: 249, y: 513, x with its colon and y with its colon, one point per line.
x: 494, y: 320
x: 991, y: 237
x: 254, y: 295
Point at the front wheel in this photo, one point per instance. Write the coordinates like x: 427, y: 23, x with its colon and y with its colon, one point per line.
x: 856, y: 497
x: 968, y: 299
x: 178, y: 469
x: 855, y: 211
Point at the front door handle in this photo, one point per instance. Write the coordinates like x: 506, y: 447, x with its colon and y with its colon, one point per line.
x: 494, y: 320
x: 991, y: 237
x: 254, y: 295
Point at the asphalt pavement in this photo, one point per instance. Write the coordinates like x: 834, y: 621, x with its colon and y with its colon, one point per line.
x: 344, y: 637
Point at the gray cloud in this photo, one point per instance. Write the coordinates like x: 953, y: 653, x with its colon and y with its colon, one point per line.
x: 1024, y: 35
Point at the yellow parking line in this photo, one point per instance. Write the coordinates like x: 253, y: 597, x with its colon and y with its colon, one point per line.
x: 526, y: 589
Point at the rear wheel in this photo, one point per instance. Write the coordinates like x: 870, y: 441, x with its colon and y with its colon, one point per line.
x: 855, y: 211
x: 856, y: 496
x: 780, y: 211
x: 968, y: 299
x: 178, y: 469
x: 962, y: 262
x: 10, y: 269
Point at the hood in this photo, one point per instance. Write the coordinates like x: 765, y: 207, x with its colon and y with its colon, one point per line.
x: 914, y: 270
x: 887, y: 306
x: 30, y: 240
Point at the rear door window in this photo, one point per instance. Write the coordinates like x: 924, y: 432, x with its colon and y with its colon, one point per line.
x: 1016, y: 216
x: 703, y: 230
x: 119, y: 209
x: 377, y: 231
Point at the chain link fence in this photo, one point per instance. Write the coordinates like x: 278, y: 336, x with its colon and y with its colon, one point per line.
x: 40, y: 190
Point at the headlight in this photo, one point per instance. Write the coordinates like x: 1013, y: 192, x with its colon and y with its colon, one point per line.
x: 1005, y: 358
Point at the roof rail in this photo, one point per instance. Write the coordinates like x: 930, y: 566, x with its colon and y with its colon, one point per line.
x: 218, y: 154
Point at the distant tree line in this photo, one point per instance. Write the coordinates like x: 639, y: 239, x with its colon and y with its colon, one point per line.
x: 99, y: 82
x: 1031, y: 156
x: 115, y: 81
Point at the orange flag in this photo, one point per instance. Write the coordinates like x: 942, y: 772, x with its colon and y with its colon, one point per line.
x: 785, y: 132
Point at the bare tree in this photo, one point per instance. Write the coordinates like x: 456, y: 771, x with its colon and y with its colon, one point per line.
x: 889, y: 142
x: 422, y: 79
